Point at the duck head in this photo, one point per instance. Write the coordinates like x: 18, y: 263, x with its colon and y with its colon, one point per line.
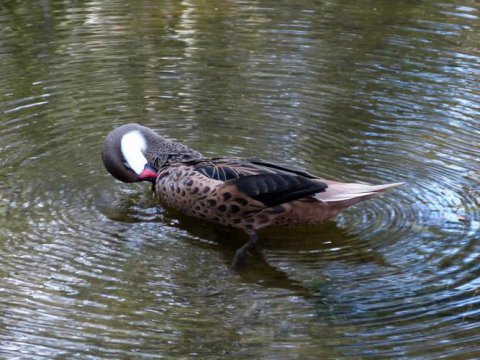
x: 124, y: 153
x: 133, y: 153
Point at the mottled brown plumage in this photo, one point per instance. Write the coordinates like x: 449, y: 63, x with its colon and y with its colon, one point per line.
x: 243, y: 193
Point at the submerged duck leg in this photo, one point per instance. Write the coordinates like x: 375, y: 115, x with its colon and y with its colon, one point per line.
x: 240, y: 258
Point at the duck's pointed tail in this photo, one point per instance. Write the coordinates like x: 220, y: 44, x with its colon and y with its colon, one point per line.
x: 347, y: 194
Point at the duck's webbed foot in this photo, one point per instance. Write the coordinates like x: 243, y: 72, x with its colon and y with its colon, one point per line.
x: 240, y: 258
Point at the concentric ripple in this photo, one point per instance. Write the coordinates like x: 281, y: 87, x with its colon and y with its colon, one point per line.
x: 361, y: 91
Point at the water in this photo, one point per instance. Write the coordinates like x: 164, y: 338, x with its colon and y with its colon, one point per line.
x: 357, y: 91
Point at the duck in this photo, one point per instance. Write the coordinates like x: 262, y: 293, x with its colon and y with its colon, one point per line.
x: 248, y: 194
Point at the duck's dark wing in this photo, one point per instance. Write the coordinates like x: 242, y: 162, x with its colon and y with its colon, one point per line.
x: 225, y: 169
x: 266, y: 182
x: 275, y: 189
x: 274, y: 166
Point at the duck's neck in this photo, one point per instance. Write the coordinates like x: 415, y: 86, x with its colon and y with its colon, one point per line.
x: 171, y: 152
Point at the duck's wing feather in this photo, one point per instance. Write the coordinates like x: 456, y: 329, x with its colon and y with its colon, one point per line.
x: 266, y: 182
x: 277, y: 188
x: 224, y: 169
x: 282, y: 168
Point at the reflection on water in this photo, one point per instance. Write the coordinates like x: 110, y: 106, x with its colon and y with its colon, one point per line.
x: 361, y: 91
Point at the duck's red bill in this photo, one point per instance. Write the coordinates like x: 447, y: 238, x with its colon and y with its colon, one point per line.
x: 148, y: 174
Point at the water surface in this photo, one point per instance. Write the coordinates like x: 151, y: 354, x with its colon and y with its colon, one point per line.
x: 368, y: 91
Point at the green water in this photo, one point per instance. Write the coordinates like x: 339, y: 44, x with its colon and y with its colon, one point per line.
x: 369, y: 91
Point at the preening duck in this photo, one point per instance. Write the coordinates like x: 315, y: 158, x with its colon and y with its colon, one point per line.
x: 247, y: 194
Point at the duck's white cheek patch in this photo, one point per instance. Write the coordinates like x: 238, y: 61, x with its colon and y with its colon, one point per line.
x: 132, y: 145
